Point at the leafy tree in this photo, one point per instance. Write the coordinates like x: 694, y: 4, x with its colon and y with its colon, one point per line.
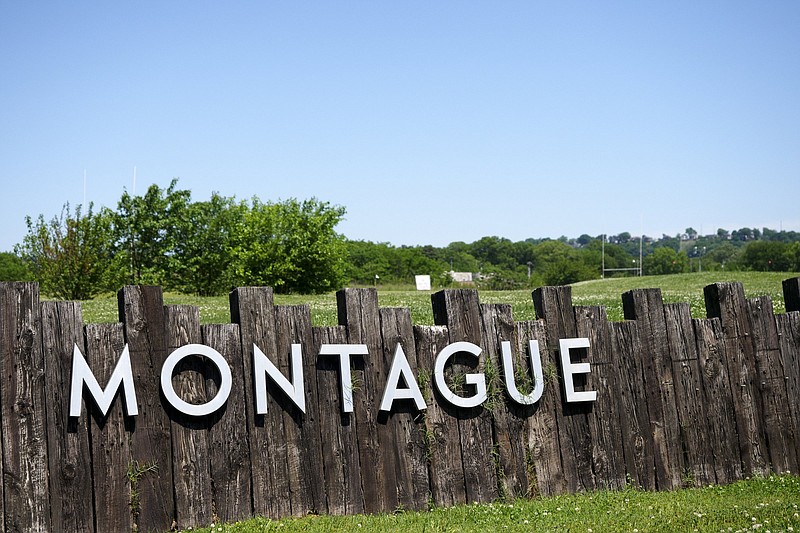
x: 665, y: 261
x: 70, y: 256
x: 146, y: 232
x: 13, y: 268
x: 766, y: 256
x: 291, y: 246
x: 205, y: 240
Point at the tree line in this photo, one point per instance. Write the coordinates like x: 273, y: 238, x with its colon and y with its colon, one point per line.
x: 208, y: 247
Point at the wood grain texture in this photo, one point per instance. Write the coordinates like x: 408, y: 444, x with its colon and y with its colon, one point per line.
x: 67, y: 438
x: 22, y: 405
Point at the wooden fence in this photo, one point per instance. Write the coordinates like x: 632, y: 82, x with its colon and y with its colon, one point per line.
x: 680, y: 401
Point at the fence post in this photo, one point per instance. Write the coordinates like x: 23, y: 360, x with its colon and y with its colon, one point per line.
x: 67, y: 439
x: 24, y: 440
x: 726, y: 301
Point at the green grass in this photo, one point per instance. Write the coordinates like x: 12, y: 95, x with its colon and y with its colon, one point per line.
x: 607, y: 292
x: 762, y: 504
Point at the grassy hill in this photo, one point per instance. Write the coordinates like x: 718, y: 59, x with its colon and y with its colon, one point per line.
x: 605, y: 292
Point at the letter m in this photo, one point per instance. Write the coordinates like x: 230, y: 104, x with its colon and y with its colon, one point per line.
x: 121, y: 376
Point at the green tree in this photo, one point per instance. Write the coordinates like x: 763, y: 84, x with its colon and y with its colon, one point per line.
x: 206, y: 236
x: 665, y: 261
x: 766, y: 256
x: 291, y: 246
x: 13, y: 268
x: 70, y: 256
x: 146, y: 230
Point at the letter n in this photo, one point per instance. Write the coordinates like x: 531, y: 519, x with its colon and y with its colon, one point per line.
x: 122, y: 376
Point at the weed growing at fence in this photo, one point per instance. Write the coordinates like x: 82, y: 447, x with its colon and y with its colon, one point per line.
x: 762, y: 504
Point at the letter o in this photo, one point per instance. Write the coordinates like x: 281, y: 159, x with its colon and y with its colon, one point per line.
x: 215, y: 357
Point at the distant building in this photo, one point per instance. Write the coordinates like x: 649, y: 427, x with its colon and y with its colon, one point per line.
x: 461, y: 277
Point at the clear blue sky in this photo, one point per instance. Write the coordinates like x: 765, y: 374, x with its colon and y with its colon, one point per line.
x: 431, y: 122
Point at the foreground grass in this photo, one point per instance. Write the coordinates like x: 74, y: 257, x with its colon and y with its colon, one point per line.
x: 762, y: 504
x: 607, y: 292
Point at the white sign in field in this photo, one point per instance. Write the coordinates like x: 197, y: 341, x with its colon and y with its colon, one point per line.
x: 423, y: 282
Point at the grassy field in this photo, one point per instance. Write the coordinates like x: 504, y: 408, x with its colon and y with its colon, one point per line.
x: 765, y: 504
x: 608, y: 293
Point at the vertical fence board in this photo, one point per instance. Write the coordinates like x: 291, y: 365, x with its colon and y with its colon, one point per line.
x: 303, y: 438
x: 694, y: 431
x: 726, y: 301
x: 358, y: 310
x: 459, y: 310
x: 109, y: 436
x: 142, y: 310
x: 252, y: 309
x: 637, y: 437
x: 508, y: 418
x: 604, y: 417
x: 647, y: 309
x: 67, y: 438
x: 442, y: 440
x: 778, y: 424
x: 718, y: 400
x: 190, y: 453
x: 542, y: 454
x: 227, y: 436
x: 554, y: 305
x: 406, y: 422
x: 24, y: 440
x: 789, y: 332
x: 791, y: 294
x: 340, y: 453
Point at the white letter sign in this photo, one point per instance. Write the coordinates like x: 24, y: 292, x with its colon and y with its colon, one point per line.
x: 508, y: 374
x: 569, y: 368
x: 400, y: 367
x: 478, y: 380
x: 263, y: 367
x: 344, y: 351
x: 121, y: 376
x: 224, y: 387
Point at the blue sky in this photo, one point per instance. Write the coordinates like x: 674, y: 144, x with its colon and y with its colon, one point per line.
x: 431, y: 122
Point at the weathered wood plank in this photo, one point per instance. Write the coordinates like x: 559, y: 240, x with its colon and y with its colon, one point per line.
x: 302, y: 431
x: 554, y: 305
x: 718, y: 400
x: 789, y: 334
x: 340, y: 453
x: 141, y: 308
x: 604, y: 417
x: 406, y: 422
x: 227, y: 435
x: 508, y: 417
x: 358, y: 311
x: 778, y: 424
x: 726, y: 301
x: 646, y: 307
x: 67, y: 438
x: 442, y: 439
x: 191, y: 468
x: 637, y: 436
x: 459, y: 310
x: 791, y: 294
x: 543, y: 455
x: 24, y: 443
x: 252, y: 308
x: 109, y: 435
x: 694, y: 421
